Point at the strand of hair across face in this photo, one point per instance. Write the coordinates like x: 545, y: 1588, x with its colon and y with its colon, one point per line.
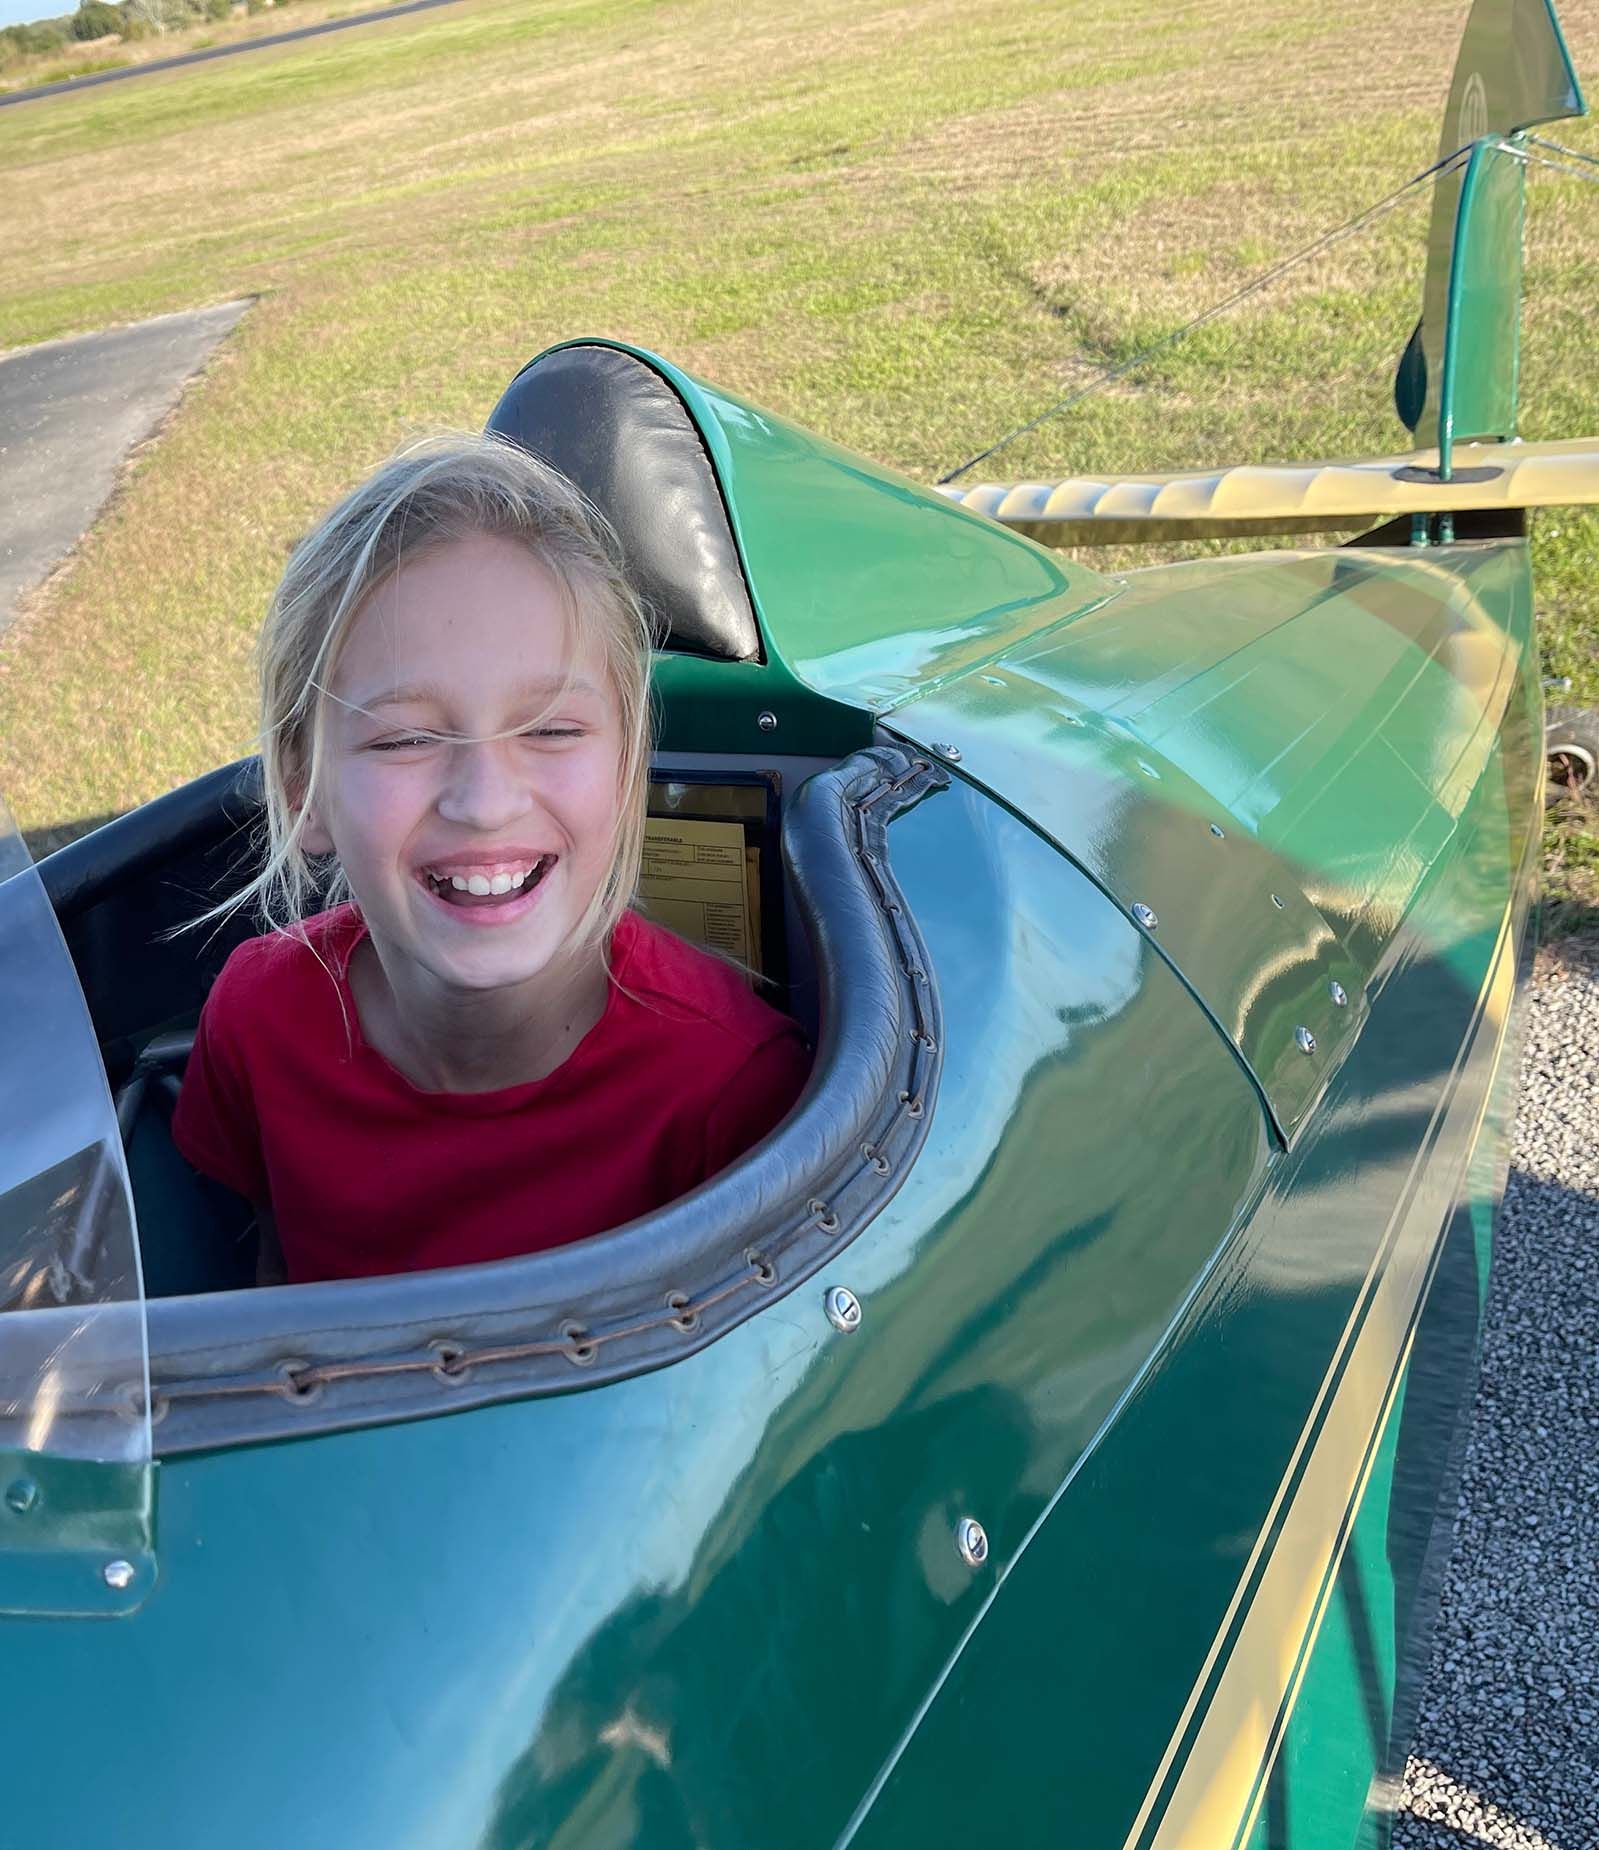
x: 430, y: 733
x: 1363, y: 218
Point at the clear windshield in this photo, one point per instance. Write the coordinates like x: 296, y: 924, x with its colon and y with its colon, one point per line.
x: 74, y: 1370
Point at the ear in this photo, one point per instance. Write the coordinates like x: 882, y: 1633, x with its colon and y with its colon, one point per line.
x: 313, y: 837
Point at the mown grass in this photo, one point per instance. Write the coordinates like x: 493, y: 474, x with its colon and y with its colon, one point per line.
x: 908, y: 226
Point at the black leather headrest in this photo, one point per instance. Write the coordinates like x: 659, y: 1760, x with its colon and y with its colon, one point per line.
x: 620, y: 431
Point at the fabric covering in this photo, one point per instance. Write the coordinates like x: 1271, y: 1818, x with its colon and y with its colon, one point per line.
x: 368, y: 1174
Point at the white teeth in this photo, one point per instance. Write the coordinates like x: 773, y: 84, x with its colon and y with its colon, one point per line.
x: 506, y: 880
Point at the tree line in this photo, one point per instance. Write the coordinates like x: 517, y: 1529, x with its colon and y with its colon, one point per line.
x: 122, y: 19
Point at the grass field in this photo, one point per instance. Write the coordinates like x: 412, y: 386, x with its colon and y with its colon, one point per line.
x: 910, y: 226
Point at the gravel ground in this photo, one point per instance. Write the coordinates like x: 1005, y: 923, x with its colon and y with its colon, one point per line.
x: 1507, y: 1744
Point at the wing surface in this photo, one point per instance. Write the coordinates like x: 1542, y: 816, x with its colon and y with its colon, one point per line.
x: 1290, y: 497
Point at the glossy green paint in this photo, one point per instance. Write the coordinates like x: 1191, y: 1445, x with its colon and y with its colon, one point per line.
x: 722, y: 1604
x: 1482, y: 332
x: 866, y: 585
x: 1339, y: 1771
x: 1072, y: 1690
x: 703, y: 1606
x: 1267, y: 752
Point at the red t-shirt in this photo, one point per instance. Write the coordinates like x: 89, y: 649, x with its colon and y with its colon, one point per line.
x: 366, y: 1173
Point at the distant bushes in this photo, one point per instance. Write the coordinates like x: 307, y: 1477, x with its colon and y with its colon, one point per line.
x: 102, y: 19
x: 94, y: 19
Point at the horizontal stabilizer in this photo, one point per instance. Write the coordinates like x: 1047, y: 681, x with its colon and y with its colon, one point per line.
x: 1289, y: 497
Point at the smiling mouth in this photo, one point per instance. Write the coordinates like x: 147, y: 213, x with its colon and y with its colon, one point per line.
x: 476, y: 888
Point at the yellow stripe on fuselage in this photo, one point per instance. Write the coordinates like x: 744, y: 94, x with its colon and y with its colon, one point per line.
x: 1217, y: 1793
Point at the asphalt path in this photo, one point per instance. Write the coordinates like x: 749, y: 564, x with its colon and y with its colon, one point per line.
x: 88, y: 81
x: 70, y: 411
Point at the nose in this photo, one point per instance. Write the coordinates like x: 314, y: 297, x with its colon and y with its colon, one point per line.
x: 484, y: 788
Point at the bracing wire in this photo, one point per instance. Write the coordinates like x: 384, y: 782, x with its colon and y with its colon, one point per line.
x: 1555, y: 147
x: 1523, y: 154
x: 1358, y: 223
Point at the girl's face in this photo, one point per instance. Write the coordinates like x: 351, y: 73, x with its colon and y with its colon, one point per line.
x: 472, y: 863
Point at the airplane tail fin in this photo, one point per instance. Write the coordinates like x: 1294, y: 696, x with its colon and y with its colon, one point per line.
x: 1457, y: 377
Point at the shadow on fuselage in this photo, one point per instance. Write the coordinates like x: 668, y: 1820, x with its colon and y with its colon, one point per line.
x: 644, y: 1737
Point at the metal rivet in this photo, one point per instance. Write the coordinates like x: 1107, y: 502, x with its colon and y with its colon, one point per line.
x: 1335, y: 989
x: 766, y: 721
x: 1071, y: 719
x: 1144, y: 915
x: 1147, y: 768
x: 1279, y: 902
x: 22, y: 1495
x: 993, y: 680
x: 118, y: 1575
x: 1305, y: 1040
x: 843, y: 1309
x: 1220, y: 834
x: 951, y: 752
x: 971, y: 1538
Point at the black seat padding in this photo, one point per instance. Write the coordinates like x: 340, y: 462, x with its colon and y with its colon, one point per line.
x: 621, y: 432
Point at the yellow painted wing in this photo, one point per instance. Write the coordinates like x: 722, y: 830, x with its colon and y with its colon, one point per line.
x: 1290, y: 497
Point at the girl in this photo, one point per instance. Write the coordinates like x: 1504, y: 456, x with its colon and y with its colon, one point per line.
x: 481, y: 1051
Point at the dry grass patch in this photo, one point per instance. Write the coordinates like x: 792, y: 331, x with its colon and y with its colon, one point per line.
x: 904, y: 225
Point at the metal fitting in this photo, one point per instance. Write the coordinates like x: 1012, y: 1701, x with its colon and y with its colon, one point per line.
x: 971, y: 1538
x: 843, y: 1309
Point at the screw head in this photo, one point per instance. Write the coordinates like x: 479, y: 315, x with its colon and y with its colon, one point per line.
x: 1304, y: 1040
x: 118, y: 1575
x: 1335, y: 989
x: 1219, y: 832
x: 22, y: 1495
x: 843, y: 1309
x: 951, y: 752
x: 766, y: 721
x: 971, y: 1538
x: 1279, y: 902
x: 1143, y: 915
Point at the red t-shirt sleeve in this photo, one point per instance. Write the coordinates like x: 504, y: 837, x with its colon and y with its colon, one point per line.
x: 214, y: 1124
x: 755, y: 1099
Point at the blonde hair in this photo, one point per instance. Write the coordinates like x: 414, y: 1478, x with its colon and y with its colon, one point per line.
x: 445, y: 488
